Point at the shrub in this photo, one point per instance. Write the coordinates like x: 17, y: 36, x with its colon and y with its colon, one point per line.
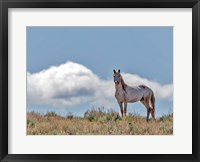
x: 70, y: 116
x: 51, y: 114
x: 101, y: 115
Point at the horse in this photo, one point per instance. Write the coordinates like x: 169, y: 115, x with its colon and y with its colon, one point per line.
x: 130, y: 94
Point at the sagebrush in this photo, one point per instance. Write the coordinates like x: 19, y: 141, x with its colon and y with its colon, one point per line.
x: 97, y: 122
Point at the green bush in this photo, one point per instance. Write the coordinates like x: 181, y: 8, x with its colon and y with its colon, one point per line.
x: 51, y: 114
x: 70, y: 116
x: 101, y: 115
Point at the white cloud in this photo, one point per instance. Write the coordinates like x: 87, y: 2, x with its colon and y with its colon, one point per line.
x: 72, y: 84
x: 161, y: 91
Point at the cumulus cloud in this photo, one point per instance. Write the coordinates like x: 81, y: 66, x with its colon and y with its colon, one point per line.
x: 161, y: 91
x: 73, y: 84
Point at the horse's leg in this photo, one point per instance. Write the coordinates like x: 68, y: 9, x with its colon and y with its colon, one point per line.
x: 153, y: 114
x: 153, y: 109
x: 146, y: 101
x: 125, y: 108
x: 121, y: 107
x: 143, y: 102
x: 148, y: 112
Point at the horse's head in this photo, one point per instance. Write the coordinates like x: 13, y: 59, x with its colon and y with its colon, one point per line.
x: 117, y: 77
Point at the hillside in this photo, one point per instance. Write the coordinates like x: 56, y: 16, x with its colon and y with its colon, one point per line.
x: 97, y: 122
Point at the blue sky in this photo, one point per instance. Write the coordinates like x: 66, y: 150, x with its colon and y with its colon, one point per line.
x: 143, y: 51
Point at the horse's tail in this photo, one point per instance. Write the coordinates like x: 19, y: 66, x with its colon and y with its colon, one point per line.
x: 153, y: 100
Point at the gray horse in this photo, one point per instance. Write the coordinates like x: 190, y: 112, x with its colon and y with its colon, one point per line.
x: 127, y: 94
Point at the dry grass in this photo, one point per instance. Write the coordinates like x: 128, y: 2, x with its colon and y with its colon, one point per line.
x: 97, y: 122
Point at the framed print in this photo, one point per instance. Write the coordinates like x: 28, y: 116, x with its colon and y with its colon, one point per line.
x: 101, y: 81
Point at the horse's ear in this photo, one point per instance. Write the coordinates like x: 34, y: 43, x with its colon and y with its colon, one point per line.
x: 119, y: 71
x: 114, y: 71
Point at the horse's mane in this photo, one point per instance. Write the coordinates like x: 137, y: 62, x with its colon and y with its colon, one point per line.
x: 124, y: 85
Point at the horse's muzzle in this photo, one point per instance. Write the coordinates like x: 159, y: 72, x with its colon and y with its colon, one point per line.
x: 116, y: 82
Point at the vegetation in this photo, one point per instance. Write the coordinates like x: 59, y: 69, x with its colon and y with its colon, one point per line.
x: 97, y: 122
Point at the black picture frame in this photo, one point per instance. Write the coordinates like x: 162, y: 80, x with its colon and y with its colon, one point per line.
x: 6, y: 4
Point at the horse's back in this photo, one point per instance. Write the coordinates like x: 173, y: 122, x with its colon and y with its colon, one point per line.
x: 145, y: 89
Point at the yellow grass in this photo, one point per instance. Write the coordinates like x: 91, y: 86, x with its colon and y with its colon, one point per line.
x: 97, y: 122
